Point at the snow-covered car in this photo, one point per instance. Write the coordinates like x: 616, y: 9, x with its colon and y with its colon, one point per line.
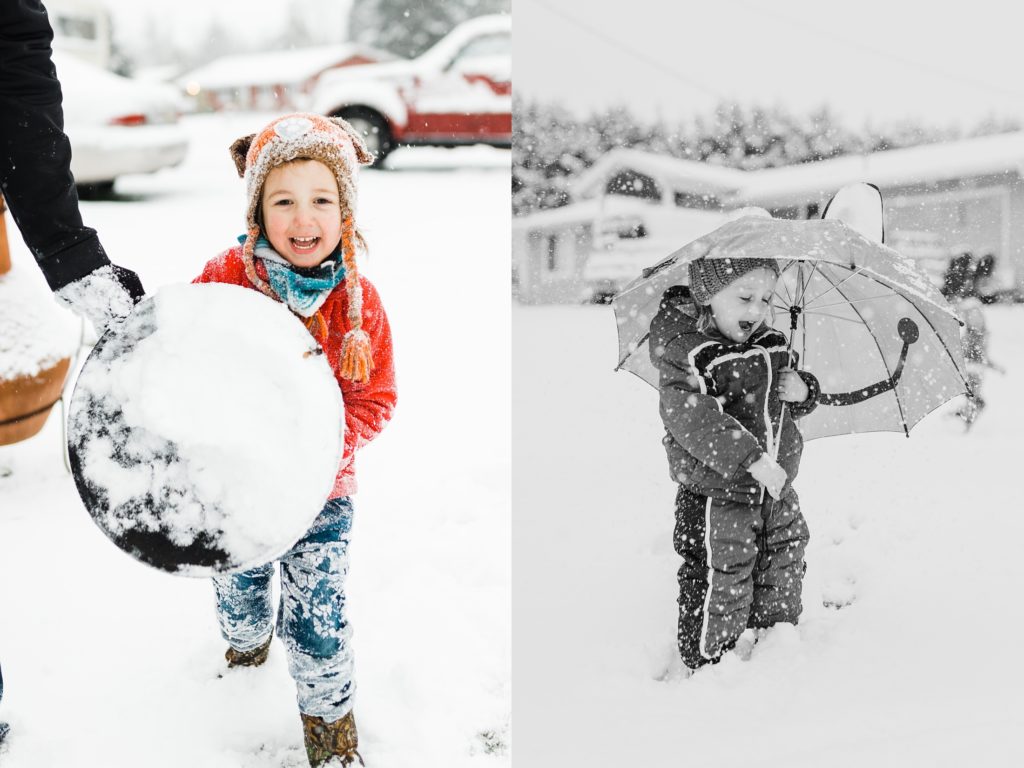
x: 630, y: 235
x: 117, y: 125
x: 458, y: 92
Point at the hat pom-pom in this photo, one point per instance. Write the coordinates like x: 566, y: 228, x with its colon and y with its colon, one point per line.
x: 356, y: 356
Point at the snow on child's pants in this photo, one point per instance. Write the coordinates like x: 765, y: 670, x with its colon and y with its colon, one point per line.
x: 311, y: 618
x: 737, y: 572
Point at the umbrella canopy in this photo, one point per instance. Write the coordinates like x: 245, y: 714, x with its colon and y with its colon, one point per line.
x: 881, y: 339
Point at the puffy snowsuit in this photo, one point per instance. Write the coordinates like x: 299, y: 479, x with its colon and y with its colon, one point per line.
x: 742, y: 551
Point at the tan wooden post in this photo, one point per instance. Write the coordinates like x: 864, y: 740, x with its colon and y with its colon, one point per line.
x: 5, y: 250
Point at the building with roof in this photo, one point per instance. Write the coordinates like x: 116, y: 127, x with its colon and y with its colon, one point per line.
x: 635, y: 207
x: 271, y: 80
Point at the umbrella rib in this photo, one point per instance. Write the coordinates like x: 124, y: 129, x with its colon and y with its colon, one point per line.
x: 931, y: 325
x: 834, y: 317
x: 629, y: 354
x: 888, y: 287
x: 803, y: 287
x: 787, y: 297
x: 854, y: 301
x: 835, y: 286
x: 941, y: 341
x: 895, y: 390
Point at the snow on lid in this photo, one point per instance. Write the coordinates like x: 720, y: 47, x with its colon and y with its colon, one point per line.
x: 276, y: 67
x: 207, y: 424
x: 34, y: 332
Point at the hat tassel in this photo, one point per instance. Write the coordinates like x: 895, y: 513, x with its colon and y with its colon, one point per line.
x: 356, y: 356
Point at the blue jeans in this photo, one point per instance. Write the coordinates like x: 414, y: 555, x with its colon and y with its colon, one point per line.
x: 311, y: 617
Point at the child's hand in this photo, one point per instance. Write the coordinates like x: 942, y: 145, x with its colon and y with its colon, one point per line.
x: 792, y: 388
x: 768, y: 472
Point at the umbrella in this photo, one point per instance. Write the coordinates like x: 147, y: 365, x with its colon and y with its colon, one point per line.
x: 882, y: 341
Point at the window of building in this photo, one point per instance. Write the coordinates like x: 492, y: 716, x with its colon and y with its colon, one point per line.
x: 793, y: 212
x: 698, y: 201
x: 633, y: 184
x: 623, y: 228
x: 552, y: 252
x: 81, y: 27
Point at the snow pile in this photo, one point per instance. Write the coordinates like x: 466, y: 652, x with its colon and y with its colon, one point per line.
x: 211, y: 422
x: 906, y: 652
x: 33, y: 334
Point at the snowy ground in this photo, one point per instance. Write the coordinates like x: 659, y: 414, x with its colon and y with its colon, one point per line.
x: 909, y: 650
x: 109, y: 663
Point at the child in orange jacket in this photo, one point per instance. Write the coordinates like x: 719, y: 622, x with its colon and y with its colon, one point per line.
x: 300, y: 248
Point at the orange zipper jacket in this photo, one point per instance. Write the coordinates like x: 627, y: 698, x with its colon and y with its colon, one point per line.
x: 368, y: 406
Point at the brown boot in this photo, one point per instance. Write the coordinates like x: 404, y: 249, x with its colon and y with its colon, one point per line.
x: 252, y: 658
x: 331, y: 740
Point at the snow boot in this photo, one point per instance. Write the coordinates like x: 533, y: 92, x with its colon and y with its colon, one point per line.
x: 251, y: 658
x: 329, y: 744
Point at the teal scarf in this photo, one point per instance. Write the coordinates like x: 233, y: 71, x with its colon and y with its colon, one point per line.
x: 303, y: 289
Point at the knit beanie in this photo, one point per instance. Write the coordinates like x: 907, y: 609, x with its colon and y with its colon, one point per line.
x: 333, y: 142
x: 709, y: 276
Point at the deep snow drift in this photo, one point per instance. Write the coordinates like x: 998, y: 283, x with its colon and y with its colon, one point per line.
x: 110, y: 663
x: 908, y: 649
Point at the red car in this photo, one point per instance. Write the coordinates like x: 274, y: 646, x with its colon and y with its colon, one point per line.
x: 458, y: 92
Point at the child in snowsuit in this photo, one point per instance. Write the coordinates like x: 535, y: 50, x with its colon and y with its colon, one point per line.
x: 300, y: 248
x: 728, y: 400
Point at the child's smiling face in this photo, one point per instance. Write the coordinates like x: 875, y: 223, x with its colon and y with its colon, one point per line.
x: 740, y: 307
x: 301, y: 212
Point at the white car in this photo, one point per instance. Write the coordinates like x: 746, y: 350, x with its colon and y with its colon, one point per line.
x: 116, y: 125
x: 457, y: 92
x: 633, y: 234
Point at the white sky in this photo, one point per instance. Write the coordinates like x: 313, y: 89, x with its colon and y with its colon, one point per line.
x: 878, y: 60
x: 191, y: 18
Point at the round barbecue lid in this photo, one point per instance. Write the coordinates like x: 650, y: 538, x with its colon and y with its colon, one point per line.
x: 205, y: 434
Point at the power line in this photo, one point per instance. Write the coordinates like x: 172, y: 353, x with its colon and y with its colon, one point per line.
x: 913, y: 63
x: 623, y: 48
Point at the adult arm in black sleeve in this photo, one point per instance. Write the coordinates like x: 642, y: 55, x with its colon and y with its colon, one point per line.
x: 35, y: 160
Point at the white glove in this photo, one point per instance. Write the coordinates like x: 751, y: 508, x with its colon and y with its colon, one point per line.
x: 106, y: 296
x: 768, y: 472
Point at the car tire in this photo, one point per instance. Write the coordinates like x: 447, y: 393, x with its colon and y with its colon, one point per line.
x: 374, y: 129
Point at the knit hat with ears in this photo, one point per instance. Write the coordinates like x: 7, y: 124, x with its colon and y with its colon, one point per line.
x: 709, y: 276
x: 334, y: 143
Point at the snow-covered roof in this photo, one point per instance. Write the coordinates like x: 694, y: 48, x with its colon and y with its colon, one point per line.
x: 986, y: 155
x: 692, y: 175
x: 277, y: 67
x: 575, y: 213
x: 795, y: 184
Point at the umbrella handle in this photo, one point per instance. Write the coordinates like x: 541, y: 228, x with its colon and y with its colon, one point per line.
x: 909, y: 332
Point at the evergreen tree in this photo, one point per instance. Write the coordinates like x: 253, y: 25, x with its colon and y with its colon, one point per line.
x: 550, y: 147
x: 409, y: 28
x: 296, y: 32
